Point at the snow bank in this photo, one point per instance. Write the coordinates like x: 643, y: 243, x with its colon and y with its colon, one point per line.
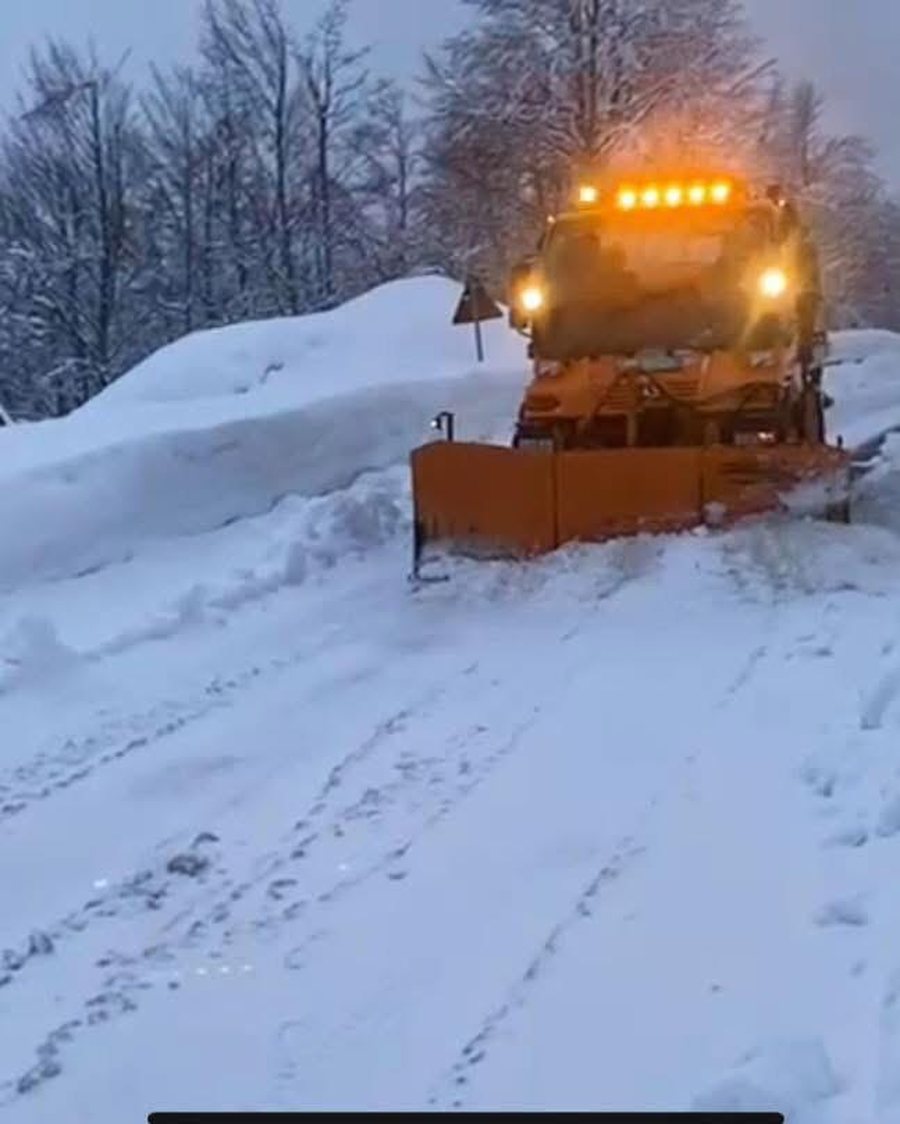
x: 397, y: 333
x: 32, y: 652
x: 309, y: 537
x: 98, y: 508
x: 222, y: 424
x: 864, y: 381
x: 863, y: 344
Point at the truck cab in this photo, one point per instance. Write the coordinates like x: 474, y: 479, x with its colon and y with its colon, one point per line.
x: 664, y: 313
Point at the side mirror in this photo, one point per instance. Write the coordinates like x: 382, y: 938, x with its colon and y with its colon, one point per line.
x: 518, y: 277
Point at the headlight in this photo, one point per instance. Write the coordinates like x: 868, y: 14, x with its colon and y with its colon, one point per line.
x: 773, y: 283
x: 531, y: 298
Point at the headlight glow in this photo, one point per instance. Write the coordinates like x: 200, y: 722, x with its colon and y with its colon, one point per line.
x: 531, y: 298
x: 773, y: 283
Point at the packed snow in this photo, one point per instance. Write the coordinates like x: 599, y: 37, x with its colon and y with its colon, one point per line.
x: 616, y: 829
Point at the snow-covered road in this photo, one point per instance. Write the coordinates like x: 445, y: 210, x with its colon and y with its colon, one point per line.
x: 617, y: 829
x: 585, y: 834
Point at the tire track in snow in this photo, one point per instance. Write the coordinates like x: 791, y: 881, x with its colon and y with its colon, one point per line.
x: 154, y: 886
x: 781, y: 576
x: 879, y: 700
x: 744, y: 675
x: 77, y: 759
x: 831, y: 774
x: 310, y: 828
x: 94, y: 752
x: 390, y: 861
x: 119, y: 990
x: 632, y: 560
x: 476, y: 1049
x: 887, y: 1070
x: 438, y: 784
x: 148, y: 887
x: 448, y: 1090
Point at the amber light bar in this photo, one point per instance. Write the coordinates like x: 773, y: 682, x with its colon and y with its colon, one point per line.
x: 660, y: 195
x: 655, y: 196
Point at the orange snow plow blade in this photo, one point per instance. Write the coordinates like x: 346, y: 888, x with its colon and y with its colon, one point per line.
x: 489, y: 500
x: 605, y: 493
x: 484, y: 498
x: 753, y: 481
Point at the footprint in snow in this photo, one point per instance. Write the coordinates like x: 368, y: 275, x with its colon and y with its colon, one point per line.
x: 853, y: 836
x: 875, y: 708
x: 888, y: 1076
x: 842, y: 911
x: 822, y: 781
x: 889, y: 819
x: 188, y: 864
x: 280, y: 887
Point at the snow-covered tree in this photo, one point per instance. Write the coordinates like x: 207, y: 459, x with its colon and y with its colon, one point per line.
x: 176, y: 132
x: 67, y: 192
x: 335, y: 87
x: 833, y: 177
x: 538, y: 92
x: 387, y: 233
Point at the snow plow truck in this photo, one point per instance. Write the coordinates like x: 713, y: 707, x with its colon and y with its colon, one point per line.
x: 677, y: 345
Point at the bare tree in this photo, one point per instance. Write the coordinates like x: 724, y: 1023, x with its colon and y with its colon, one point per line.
x: 334, y: 84
x: 393, y: 165
x: 174, y: 118
x: 251, y: 49
x: 69, y: 161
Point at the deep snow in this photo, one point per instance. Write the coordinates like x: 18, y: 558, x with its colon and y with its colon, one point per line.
x: 617, y: 829
x: 223, y: 425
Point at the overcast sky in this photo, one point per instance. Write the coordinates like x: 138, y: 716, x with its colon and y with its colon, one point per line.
x: 848, y: 46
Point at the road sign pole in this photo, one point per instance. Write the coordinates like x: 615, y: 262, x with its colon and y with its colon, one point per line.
x: 474, y: 306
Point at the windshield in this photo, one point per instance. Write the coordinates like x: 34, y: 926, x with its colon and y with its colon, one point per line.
x: 585, y: 255
x: 673, y: 283
x: 659, y: 258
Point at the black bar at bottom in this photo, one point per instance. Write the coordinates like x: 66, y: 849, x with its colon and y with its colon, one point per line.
x: 601, y: 1117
